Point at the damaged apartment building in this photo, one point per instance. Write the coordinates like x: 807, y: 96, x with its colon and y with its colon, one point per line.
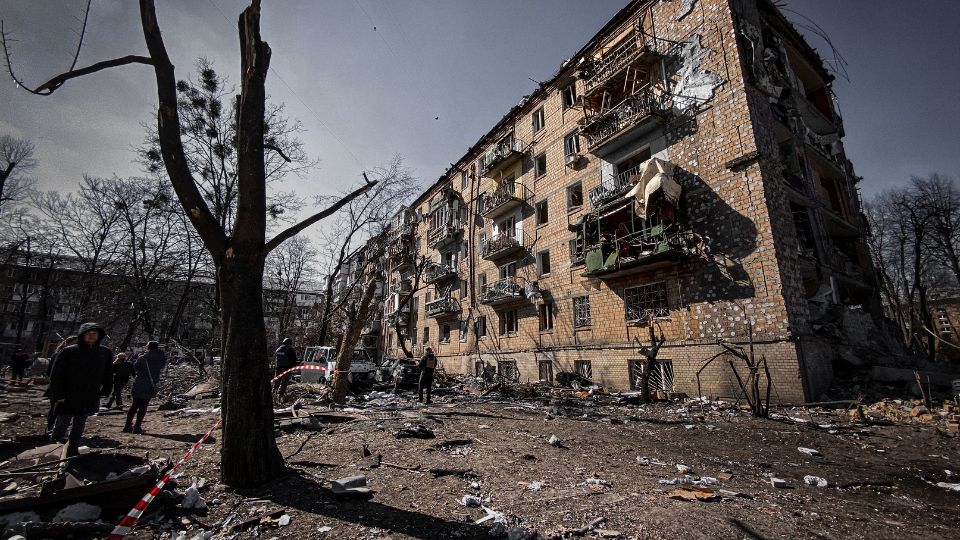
x: 684, y: 170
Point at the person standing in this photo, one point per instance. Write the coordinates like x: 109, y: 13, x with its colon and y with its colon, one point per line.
x: 428, y: 364
x: 52, y: 414
x: 122, y: 371
x: 286, y: 359
x: 18, y: 365
x: 148, y: 367
x: 81, y: 374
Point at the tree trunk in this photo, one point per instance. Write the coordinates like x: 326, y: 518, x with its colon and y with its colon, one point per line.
x: 358, y: 320
x: 248, y: 448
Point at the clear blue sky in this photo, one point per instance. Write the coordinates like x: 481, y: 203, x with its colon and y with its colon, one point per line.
x: 436, y: 74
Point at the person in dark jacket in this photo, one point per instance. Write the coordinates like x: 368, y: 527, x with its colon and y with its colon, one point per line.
x: 428, y: 364
x: 52, y: 415
x: 18, y: 365
x: 286, y: 359
x: 148, y: 367
x: 80, y: 375
x: 122, y: 371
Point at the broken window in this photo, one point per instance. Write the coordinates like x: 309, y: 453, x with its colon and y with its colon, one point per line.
x: 464, y: 180
x: 801, y: 221
x: 571, y: 144
x: 581, y: 311
x: 543, y: 263
x: 574, y: 196
x: 661, y: 375
x: 508, y: 370
x: 463, y: 330
x: 542, y: 212
x: 540, y: 165
x: 539, y: 121
x: 646, y: 302
x: 482, y: 281
x: 569, y: 94
x: 508, y: 270
x: 545, y: 312
x: 583, y: 368
x: 508, y: 322
x: 426, y: 335
x: 545, y: 370
x: 445, y: 333
x: 481, y: 327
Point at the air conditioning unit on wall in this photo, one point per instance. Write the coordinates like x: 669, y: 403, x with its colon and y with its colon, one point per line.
x: 573, y: 159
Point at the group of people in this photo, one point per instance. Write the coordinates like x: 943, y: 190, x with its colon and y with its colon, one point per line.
x: 82, y: 371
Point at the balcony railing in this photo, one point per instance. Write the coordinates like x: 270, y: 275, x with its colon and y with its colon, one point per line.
x: 636, y: 47
x: 442, y: 307
x: 438, y: 272
x: 636, y: 109
x: 508, y: 197
x: 402, y: 287
x: 444, y: 234
x: 501, y: 155
x: 652, y: 248
x: 404, y: 230
x: 501, y: 246
x: 613, y: 187
x: 502, y: 291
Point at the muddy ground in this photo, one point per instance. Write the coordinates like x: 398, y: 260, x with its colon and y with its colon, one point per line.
x: 879, y: 475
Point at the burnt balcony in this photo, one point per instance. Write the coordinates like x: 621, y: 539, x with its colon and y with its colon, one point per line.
x: 436, y: 273
x: 503, y: 154
x: 636, y: 50
x: 402, y: 287
x: 443, y: 235
x: 402, y: 231
x: 507, y: 198
x: 442, y: 307
x: 613, y: 187
x: 501, y: 292
x: 400, y: 255
x: 638, y: 109
x: 502, y: 246
x: 654, y: 248
x: 401, y: 315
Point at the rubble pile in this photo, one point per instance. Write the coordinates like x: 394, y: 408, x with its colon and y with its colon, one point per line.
x: 947, y: 415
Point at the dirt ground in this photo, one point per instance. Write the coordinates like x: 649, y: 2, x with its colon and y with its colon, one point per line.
x: 611, y: 461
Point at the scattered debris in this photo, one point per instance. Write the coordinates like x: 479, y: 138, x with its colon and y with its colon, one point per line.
x: 78, y: 512
x: 471, y: 501
x: 351, y: 485
x: 808, y: 451
x: 414, y: 431
x: 815, y: 481
x: 778, y: 482
x: 555, y: 441
x: 690, y: 492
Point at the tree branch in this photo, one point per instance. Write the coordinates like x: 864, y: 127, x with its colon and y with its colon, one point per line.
x: 53, y: 84
x: 268, y: 146
x: 293, y: 230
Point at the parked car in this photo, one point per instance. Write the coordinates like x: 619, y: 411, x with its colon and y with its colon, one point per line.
x: 362, y: 367
x: 403, y: 372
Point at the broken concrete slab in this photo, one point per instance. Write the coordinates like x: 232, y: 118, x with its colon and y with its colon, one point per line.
x: 351, y: 485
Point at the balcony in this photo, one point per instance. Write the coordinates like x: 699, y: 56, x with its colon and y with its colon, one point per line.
x: 654, y: 248
x: 501, y: 292
x: 442, y: 307
x: 502, y: 246
x: 400, y: 255
x: 402, y: 231
x: 636, y: 50
x: 402, y: 287
x: 613, y: 187
x: 436, y: 273
x: 507, y: 198
x: 501, y: 155
x: 637, y: 109
x: 443, y: 235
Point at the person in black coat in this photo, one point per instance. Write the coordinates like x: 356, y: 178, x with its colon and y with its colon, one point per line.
x: 18, y: 365
x: 148, y: 367
x: 80, y: 375
x: 428, y: 365
x: 286, y: 359
x: 122, y: 371
x: 52, y: 415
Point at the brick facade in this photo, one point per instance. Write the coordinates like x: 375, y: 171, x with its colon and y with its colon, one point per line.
x: 736, y: 256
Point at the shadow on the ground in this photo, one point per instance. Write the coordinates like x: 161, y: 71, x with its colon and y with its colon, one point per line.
x: 475, y: 415
x: 182, y: 437
x: 293, y: 489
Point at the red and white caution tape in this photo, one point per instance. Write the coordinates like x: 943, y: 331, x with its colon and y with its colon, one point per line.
x: 130, y: 520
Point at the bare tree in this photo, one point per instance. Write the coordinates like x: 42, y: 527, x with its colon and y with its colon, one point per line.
x: 16, y: 159
x: 649, y: 353
x: 249, y: 455
x: 289, y: 269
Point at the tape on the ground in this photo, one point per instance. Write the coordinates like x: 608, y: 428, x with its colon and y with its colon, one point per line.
x: 130, y: 520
